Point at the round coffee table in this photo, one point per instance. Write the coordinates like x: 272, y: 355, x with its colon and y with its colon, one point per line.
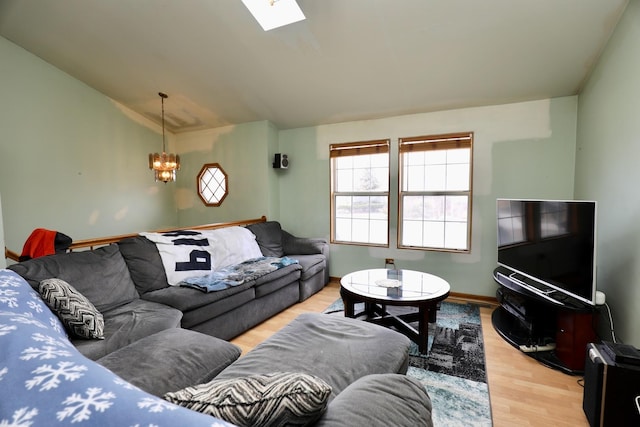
x: 381, y: 287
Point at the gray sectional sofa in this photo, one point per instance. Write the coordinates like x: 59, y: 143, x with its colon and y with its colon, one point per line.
x: 127, y: 283
x: 164, y: 339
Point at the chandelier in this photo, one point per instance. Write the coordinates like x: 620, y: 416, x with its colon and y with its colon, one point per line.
x: 164, y: 165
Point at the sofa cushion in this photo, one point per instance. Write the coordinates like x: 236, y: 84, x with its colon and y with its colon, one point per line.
x: 269, y: 237
x: 336, y: 342
x: 276, y: 282
x: 101, y: 275
x: 274, y: 399
x: 289, y: 273
x: 232, y: 323
x: 187, y: 299
x: 212, y: 311
x: 144, y: 262
x: 311, y: 265
x: 406, y: 403
x: 128, y: 323
x: 78, y: 315
x: 171, y: 360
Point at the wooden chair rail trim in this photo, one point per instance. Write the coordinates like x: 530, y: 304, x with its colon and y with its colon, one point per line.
x: 102, y: 241
x: 9, y: 254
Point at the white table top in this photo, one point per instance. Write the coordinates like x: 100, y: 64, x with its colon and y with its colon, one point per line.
x: 404, y: 285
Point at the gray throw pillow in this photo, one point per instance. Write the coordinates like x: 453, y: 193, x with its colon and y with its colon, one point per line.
x: 75, y: 311
x: 276, y: 399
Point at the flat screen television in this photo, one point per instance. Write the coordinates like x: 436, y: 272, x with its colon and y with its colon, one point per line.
x: 552, y: 243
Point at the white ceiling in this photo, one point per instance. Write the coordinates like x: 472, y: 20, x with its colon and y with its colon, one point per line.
x: 349, y: 60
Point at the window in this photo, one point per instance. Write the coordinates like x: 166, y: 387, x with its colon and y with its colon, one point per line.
x: 360, y: 192
x: 435, y: 192
x: 212, y: 184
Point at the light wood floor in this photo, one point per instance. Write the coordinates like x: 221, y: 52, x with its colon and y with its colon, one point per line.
x: 523, y: 392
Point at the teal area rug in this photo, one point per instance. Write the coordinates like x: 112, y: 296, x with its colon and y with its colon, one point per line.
x: 453, y: 372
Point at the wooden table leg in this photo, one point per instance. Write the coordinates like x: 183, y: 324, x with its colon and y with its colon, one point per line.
x: 370, y: 309
x: 349, y: 306
x: 423, y: 328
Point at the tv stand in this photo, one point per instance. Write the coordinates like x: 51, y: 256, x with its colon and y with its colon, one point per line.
x: 536, y: 320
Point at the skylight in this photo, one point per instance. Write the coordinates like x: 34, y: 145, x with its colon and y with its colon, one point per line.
x: 272, y: 14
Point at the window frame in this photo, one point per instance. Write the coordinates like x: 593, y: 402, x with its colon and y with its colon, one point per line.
x: 201, y: 185
x: 378, y: 146
x: 427, y: 143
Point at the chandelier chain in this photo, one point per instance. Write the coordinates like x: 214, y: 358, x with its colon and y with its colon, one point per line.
x: 164, y: 144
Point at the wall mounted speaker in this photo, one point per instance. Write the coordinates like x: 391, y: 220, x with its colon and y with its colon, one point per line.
x: 281, y: 161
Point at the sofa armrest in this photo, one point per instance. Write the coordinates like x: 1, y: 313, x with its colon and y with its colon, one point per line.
x: 293, y: 245
x: 380, y: 400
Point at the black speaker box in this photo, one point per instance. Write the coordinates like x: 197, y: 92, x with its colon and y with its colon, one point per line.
x: 281, y: 161
x: 611, y: 390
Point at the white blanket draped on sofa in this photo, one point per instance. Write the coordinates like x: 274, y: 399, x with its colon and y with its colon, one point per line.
x: 191, y: 253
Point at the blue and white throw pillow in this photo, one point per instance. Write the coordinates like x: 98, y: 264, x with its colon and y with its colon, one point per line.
x: 45, y: 381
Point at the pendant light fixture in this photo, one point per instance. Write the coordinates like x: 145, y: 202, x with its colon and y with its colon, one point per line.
x: 164, y: 165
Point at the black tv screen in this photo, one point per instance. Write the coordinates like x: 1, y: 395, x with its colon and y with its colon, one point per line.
x: 552, y: 242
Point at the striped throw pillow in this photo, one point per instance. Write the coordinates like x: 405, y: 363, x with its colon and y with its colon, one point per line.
x: 276, y: 399
x: 76, y: 312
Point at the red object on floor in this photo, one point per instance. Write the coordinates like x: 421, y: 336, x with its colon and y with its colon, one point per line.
x: 39, y: 243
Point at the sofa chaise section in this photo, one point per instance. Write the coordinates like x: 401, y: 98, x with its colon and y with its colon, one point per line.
x: 339, y: 350
x: 365, y: 365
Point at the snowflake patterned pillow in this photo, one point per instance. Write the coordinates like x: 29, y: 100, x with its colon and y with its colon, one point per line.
x: 74, y: 309
x: 45, y: 381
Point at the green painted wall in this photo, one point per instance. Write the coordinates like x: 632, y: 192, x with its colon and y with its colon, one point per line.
x: 99, y: 184
x: 71, y: 159
x: 607, y: 154
x: 520, y: 150
x: 244, y: 153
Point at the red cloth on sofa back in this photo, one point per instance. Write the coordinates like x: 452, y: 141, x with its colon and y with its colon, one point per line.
x: 44, y: 242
